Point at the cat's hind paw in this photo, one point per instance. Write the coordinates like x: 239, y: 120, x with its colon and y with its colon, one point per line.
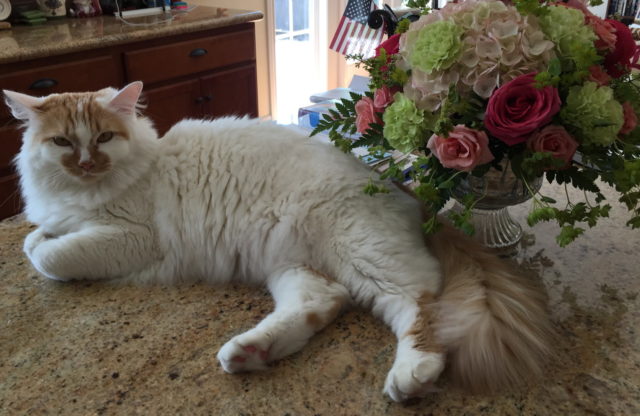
x: 242, y: 353
x: 414, y: 376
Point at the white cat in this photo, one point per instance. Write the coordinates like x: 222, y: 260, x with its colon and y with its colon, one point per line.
x: 238, y: 200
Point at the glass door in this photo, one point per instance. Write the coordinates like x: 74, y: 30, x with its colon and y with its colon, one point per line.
x: 300, y: 54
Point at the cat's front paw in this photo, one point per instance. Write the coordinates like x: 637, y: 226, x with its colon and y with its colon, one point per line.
x: 414, y: 376
x: 245, y: 352
x: 38, y: 247
x: 33, y: 240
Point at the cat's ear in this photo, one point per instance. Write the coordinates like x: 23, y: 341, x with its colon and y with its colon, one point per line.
x: 22, y: 106
x: 126, y: 99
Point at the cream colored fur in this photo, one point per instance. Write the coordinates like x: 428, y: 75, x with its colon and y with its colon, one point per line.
x: 238, y: 200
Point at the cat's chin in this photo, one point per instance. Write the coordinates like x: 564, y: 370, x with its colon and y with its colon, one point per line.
x: 89, y: 177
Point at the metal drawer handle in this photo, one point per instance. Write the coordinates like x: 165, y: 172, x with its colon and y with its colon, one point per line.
x: 198, y: 52
x: 43, y: 83
x: 203, y: 98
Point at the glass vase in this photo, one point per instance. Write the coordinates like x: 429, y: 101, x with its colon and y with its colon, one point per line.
x: 494, y: 192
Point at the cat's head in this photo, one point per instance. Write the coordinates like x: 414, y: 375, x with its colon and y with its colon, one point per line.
x: 83, y: 134
x: 88, y: 144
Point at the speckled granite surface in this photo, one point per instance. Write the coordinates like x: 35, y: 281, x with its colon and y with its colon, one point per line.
x: 74, y: 35
x: 88, y: 348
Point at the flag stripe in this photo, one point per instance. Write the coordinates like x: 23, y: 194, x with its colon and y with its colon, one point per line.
x: 353, y: 36
x: 337, y: 38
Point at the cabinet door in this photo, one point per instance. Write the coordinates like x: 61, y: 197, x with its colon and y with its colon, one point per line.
x: 172, y: 103
x: 11, y: 140
x: 231, y: 92
x: 10, y: 201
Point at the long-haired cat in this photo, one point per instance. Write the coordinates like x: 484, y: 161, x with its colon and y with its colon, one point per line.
x: 238, y: 200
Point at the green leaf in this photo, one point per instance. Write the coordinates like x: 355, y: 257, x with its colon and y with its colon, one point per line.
x: 541, y: 214
x: 547, y: 199
x: 372, y: 188
x: 568, y: 234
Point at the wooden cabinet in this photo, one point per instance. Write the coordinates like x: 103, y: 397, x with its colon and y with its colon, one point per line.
x: 203, y: 74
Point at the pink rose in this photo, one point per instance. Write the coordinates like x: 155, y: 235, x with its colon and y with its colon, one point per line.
x: 517, y: 108
x: 464, y: 149
x: 391, y: 45
x: 366, y: 114
x: 575, y: 4
x: 618, y: 62
x: 597, y: 75
x: 630, y: 118
x: 605, y: 32
x: 383, y: 97
x: 555, y: 140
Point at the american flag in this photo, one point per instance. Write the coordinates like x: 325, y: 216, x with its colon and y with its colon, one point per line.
x: 354, y: 36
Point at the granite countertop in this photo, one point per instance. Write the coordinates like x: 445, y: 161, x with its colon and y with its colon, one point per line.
x: 67, y: 35
x: 93, y: 349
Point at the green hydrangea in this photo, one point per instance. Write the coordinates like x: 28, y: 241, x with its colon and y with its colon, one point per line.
x: 593, y: 113
x: 438, y: 46
x: 566, y: 28
x: 404, y: 126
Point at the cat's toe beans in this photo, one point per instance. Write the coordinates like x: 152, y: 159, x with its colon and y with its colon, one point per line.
x: 236, y: 356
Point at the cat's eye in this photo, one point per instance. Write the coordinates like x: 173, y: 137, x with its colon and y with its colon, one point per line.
x: 105, y: 137
x: 61, y: 141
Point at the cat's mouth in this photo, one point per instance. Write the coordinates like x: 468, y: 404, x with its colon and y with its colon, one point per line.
x: 87, y: 176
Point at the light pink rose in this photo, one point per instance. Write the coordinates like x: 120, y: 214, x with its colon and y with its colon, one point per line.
x: 598, y: 75
x: 605, y: 31
x: 517, y: 108
x: 366, y: 114
x: 383, y: 97
x: 556, y: 140
x: 630, y: 118
x: 464, y: 149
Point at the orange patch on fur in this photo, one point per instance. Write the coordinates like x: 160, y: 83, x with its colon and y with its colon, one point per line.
x: 319, y: 321
x: 61, y: 113
x: 422, y: 330
x: 102, y: 162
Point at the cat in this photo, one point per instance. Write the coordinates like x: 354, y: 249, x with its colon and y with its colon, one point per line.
x: 241, y: 200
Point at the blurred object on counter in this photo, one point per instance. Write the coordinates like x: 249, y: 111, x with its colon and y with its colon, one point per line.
x: 32, y: 17
x: 52, y: 8
x: 85, y: 8
x: 5, y: 10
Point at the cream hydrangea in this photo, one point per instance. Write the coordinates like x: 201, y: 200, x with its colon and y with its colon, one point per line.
x: 497, y: 45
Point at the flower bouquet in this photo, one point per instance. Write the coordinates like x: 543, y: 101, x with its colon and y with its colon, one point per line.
x: 547, y: 86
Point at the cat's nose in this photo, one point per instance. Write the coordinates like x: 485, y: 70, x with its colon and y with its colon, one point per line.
x: 87, y: 165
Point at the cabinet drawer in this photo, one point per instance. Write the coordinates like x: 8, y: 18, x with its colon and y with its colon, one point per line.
x: 182, y: 58
x: 86, y: 75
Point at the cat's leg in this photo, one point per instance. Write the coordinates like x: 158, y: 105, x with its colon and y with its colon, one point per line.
x: 306, y: 302
x: 95, y: 252
x: 419, y: 359
x: 400, y: 287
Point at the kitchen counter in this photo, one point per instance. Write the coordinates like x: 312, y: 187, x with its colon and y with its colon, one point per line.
x: 87, y: 348
x: 68, y: 35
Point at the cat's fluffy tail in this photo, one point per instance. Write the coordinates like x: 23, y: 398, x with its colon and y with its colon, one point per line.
x: 492, y: 320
